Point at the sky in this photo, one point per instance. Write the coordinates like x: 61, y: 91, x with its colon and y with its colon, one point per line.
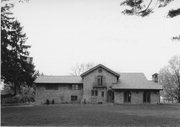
x: 64, y: 33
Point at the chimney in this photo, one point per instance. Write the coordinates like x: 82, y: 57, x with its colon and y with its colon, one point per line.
x: 155, y: 77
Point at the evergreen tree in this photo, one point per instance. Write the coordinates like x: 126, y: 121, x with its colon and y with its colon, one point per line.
x: 15, y: 67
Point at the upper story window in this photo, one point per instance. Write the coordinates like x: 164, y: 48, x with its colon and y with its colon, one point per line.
x: 100, y: 80
x: 51, y: 87
x: 75, y: 87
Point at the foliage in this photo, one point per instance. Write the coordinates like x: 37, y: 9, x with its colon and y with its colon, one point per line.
x: 80, y: 68
x: 16, y: 69
x: 27, y: 93
x: 141, y: 8
x: 174, y: 12
x: 47, y: 102
x: 169, y: 77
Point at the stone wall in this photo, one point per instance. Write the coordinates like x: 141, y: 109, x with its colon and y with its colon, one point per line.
x: 136, y: 97
x: 61, y: 95
x: 89, y: 81
x: 155, y: 97
x: 99, y: 98
x: 118, y: 97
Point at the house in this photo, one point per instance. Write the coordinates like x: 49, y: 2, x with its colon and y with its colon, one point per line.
x: 98, y: 85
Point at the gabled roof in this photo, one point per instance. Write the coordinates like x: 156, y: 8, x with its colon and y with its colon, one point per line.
x: 58, y: 79
x: 98, y: 66
x: 135, y: 81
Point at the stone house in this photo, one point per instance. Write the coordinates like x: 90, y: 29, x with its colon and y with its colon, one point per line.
x: 98, y: 85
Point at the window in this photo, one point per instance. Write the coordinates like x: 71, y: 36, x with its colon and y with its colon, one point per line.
x: 94, y: 93
x: 51, y: 87
x: 99, y: 80
x: 74, y: 87
x: 127, y: 96
x: 146, y: 97
x: 73, y: 98
x: 100, y: 70
x: 102, y: 94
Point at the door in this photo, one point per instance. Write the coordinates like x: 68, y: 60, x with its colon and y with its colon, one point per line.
x: 110, y: 96
x: 146, y: 97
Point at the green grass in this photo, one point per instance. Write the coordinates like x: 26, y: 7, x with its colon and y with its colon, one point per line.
x: 92, y: 115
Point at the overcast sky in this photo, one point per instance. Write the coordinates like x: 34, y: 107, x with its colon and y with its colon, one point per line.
x: 64, y: 33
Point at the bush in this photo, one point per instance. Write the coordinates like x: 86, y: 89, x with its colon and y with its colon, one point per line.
x: 53, y: 101
x: 11, y: 100
x: 47, y: 102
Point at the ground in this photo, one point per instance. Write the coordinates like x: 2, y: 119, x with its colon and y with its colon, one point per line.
x: 91, y: 115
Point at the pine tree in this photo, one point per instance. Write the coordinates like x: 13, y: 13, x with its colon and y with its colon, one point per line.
x: 15, y: 69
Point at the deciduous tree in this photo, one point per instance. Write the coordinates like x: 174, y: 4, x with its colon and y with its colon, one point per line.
x: 169, y: 77
x: 80, y: 68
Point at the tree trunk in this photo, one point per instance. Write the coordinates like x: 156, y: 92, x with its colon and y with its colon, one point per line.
x: 15, y: 88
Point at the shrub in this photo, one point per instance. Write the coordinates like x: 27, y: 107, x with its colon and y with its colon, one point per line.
x: 53, y: 101
x: 11, y: 100
x: 47, y: 102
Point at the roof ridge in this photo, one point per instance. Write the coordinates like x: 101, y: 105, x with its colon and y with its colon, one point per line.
x: 130, y: 72
x: 59, y: 75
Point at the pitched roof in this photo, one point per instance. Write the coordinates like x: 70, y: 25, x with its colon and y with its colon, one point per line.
x: 127, y: 81
x: 135, y: 81
x: 102, y: 66
x: 58, y: 79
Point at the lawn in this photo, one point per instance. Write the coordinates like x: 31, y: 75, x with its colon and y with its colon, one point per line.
x: 91, y: 115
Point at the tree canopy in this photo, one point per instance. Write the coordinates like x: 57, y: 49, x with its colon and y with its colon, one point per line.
x: 169, y: 77
x: 80, y: 68
x: 141, y: 8
x: 15, y: 64
x: 144, y: 8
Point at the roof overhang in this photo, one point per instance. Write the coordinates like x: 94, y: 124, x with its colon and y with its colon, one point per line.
x: 100, y: 66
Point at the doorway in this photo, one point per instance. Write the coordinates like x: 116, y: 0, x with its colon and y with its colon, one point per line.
x: 110, y: 96
x: 146, y: 97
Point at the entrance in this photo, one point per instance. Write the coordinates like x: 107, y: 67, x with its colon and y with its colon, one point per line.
x: 110, y: 96
x: 146, y: 97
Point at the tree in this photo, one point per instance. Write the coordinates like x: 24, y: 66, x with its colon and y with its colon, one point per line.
x: 141, y: 8
x: 80, y: 68
x: 169, y: 77
x: 16, y: 69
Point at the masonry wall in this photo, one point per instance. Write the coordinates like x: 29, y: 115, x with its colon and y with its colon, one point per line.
x: 155, y: 97
x: 136, y: 97
x: 61, y: 95
x: 89, y: 81
x: 118, y: 97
